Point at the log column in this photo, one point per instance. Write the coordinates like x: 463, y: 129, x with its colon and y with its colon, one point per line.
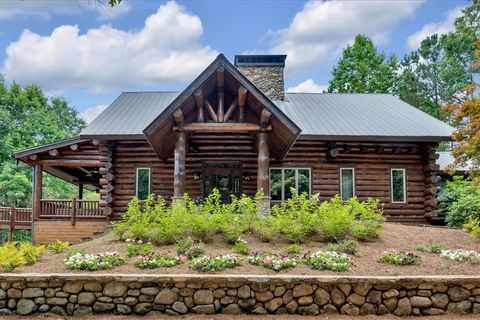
x: 263, y: 172
x: 431, y: 179
x: 80, y: 191
x: 179, y: 166
x: 37, y: 191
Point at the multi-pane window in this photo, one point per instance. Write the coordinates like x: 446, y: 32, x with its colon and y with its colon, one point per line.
x: 143, y: 183
x: 347, y: 183
x: 398, y: 185
x: 282, y: 180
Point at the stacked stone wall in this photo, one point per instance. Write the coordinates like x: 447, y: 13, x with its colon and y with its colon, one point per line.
x: 79, y: 294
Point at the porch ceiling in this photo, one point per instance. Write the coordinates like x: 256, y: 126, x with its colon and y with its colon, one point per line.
x: 160, y: 131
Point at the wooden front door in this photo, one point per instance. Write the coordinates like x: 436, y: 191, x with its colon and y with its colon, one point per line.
x: 225, y: 176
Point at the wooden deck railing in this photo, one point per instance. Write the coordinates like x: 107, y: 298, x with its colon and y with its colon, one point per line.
x: 12, y: 218
x: 73, y: 209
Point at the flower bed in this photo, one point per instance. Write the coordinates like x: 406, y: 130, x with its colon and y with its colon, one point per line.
x: 274, y: 262
x: 92, y: 262
x: 214, y: 264
x: 400, y: 258
x: 328, y: 260
x: 461, y: 255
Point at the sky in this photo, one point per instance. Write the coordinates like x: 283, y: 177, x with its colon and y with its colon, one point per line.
x: 89, y: 53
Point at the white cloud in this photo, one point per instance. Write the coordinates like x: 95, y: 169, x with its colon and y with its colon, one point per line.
x: 93, y: 112
x: 44, y: 9
x: 308, y: 86
x: 318, y: 33
x: 445, y: 26
x: 167, y: 49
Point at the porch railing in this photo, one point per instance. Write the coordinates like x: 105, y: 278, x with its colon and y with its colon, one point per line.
x: 73, y: 209
x: 12, y: 219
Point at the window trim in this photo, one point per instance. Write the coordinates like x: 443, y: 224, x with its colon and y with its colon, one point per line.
x: 404, y: 185
x: 282, y: 194
x: 149, y: 180
x: 353, y: 182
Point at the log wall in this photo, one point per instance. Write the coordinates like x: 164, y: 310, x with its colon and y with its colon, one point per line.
x: 372, y: 163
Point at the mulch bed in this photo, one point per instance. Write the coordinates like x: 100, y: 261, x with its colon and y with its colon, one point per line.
x: 395, y: 236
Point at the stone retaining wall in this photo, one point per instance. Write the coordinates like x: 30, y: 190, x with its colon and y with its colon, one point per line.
x: 82, y: 294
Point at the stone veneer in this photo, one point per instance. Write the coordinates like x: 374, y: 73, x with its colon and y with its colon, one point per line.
x: 269, y: 79
x: 82, y: 294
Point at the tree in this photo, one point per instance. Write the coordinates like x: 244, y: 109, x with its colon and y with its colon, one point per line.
x: 438, y: 72
x: 363, y: 69
x: 466, y: 115
x: 28, y: 119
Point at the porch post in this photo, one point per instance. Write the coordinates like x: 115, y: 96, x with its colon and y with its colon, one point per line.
x: 263, y: 172
x: 80, y: 191
x: 37, y: 191
x: 179, y: 166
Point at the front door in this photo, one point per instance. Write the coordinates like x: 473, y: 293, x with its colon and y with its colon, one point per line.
x: 225, y: 176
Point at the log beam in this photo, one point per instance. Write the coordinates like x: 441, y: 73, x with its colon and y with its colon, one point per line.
x: 221, y: 93
x: 74, y: 147
x: 222, y: 127
x: 37, y: 191
x: 210, y: 110
x: 33, y: 157
x: 264, y: 118
x: 54, y: 152
x: 263, y: 163
x: 230, y: 110
x: 241, y: 99
x: 178, y: 116
x: 179, y: 165
x: 199, y: 101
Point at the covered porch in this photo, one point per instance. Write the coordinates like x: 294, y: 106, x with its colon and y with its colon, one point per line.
x: 78, y: 161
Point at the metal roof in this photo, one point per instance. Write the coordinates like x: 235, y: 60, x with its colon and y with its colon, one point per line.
x: 328, y: 115
x: 129, y: 114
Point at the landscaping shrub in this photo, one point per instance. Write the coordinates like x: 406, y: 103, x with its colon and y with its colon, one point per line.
x: 336, y: 220
x: 58, y: 246
x: 265, y: 228
x: 432, y: 248
x: 183, y: 245
x: 369, y: 218
x: 241, y: 246
x: 293, y: 249
x: 400, y: 258
x: 16, y: 254
x: 327, y: 260
x: 460, y: 201
x: 93, y: 262
x: 273, y: 262
x: 345, y: 246
x: 215, y: 264
x: 196, y: 250
x: 137, y: 248
x: 473, y: 227
x: 153, y: 261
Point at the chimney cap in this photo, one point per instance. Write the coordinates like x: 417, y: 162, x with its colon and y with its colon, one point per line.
x: 267, y: 60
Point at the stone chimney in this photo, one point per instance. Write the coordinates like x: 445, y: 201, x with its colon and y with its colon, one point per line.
x: 265, y: 71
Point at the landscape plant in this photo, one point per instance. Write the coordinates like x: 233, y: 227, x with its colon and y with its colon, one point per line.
x: 327, y: 260
x: 461, y: 255
x: 16, y: 254
x: 400, y: 258
x: 214, y: 264
x: 58, y: 246
x: 152, y: 261
x: 93, y: 262
x: 431, y: 248
x: 273, y: 262
x: 293, y: 249
x: 241, y: 246
x: 138, y: 248
x: 345, y: 246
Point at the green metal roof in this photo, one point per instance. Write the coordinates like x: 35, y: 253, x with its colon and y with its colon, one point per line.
x: 323, y: 115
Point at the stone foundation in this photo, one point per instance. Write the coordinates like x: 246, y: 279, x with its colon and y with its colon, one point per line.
x: 82, y: 294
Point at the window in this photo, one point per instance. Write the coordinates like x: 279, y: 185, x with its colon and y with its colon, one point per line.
x: 398, y: 185
x: 347, y: 183
x: 283, y: 179
x: 143, y: 183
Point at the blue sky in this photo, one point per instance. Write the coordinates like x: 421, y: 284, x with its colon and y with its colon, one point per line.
x: 90, y: 53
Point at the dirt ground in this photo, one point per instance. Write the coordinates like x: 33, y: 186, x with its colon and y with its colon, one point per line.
x: 395, y: 236
x: 239, y: 317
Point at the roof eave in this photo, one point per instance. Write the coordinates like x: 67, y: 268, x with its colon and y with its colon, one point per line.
x: 376, y: 138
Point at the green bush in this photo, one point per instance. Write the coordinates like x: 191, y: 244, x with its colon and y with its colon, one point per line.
x: 58, y: 246
x: 16, y: 254
x: 241, y: 247
x: 400, y: 258
x: 345, y: 246
x: 293, y: 249
x: 460, y: 201
x: 432, y: 248
x: 156, y: 261
x: 183, y: 245
x: 195, y: 251
x: 336, y: 220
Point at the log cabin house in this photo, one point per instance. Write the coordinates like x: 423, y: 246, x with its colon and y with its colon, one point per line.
x: 234, y: 128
